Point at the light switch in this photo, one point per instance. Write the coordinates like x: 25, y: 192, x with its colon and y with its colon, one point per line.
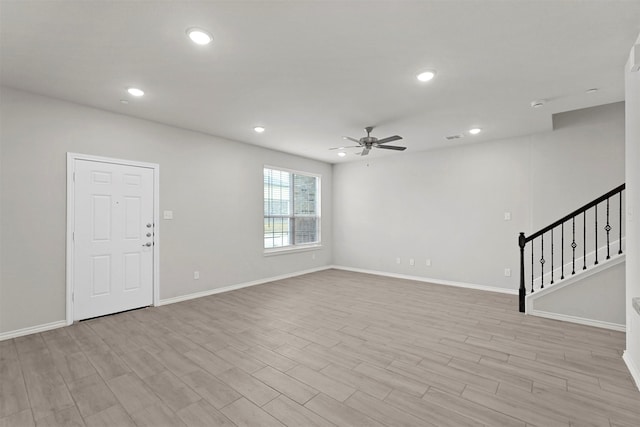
x: 507, y: 216
x: 168, y: 215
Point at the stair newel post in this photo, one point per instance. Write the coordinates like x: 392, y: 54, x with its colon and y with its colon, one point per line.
x: 523, y: 290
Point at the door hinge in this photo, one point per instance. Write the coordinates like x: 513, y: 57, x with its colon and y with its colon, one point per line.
x: 74, y: 177
x: 73, y: 236
x: 73, y: 296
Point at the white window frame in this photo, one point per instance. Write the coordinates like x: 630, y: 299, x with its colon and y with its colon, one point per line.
x: 296, y: 247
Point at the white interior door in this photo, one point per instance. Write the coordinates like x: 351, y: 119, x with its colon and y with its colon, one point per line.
x: 113, y: 238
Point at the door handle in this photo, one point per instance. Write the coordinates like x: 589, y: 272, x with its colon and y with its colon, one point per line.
x: 147, y: 244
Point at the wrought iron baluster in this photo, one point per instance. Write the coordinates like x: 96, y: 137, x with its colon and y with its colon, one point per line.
x: 596, y: 229
x: 573, y: 245
x: 608, y: 229
x: 552, y: 256
x: 532, y: 290
x: 542, y: 262
x: 584, y: 240
x: 620, y: 226
x: 562, y: 255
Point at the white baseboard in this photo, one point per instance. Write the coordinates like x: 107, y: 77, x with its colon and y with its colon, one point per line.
x: 32, y: 330
x: 430, y: 280
x: 238, y: 286
x: 580, y: 320
x: 633, y: 369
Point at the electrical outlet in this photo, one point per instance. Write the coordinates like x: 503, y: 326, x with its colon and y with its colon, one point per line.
x: 412, y: 261
x: 397, y: 260
x: 507, y: 272
x: 507, y: 216
x: 196, y: 275
x: 428, y: 262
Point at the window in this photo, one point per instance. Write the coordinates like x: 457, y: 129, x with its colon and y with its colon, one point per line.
x: 291, y: 209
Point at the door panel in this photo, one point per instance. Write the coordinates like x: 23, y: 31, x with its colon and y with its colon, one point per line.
x: 113, y: 211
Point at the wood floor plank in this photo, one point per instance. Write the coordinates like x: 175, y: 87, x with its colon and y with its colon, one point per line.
x: 245, y: 414
x: 338, y: 413
x: 69, y: 417
x: 91, y: 395
x: 318, y: 381
x: 114, y: 416
x: 132, y: 393
x: 327, y: 348
x: 156, y: 415
x: 248, y: 386
x: 22, y: 419
x: 173, y: 392
x: 381, y: 411
x: 471, y: 410
x: 427, y: 411
x: 203, y: 414
x: 211, y: 389
x: 285, y: 384
x: 293, y: 414
x: 357, y: 380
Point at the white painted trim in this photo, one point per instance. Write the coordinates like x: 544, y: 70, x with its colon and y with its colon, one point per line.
x: 580, y: 320
x: 238, y: 286
x: 582, y: 274
x: 633, y: 369
x: 71, y: 158
x: 32, y: 330
x: 430, y: 280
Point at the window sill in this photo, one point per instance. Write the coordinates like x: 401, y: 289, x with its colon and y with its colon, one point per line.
x: 289, y: 249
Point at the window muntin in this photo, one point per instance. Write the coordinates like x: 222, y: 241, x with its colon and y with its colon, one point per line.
x: 291, y: 209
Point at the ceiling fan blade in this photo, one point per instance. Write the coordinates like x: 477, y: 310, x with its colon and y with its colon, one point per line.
x: 351, y: 139
x: 389, y: 139
x: 365, y: 151
x: 342, y: 148
x: 392, y: 147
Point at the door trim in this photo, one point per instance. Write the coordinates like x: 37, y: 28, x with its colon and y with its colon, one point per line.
x: 71, y: 158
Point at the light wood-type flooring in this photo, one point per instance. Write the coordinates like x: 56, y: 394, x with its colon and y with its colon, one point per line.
x: 329, y: 348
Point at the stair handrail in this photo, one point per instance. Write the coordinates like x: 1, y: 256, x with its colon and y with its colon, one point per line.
x: 523, y: 240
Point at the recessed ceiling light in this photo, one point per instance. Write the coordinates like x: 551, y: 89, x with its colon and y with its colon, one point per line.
x: 592, y: 90
x: 259, y: 129
x: 199, y: 36
x: 475, y: 131
x: 135, y: 91
x: 342, y: 154
x: 425, y: 76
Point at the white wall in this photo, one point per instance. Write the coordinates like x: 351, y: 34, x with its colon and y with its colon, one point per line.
x: 213, y: 186
x: 632, y: 98
x: 448, y: 205
x: 597, y: 300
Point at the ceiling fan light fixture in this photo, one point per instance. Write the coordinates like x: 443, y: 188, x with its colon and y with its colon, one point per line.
x: 135, y: 91
x: 259, y: 129
x: 342, y: 154
x: 475, y: 131
x: 199, y: 36
x: 427, y: 75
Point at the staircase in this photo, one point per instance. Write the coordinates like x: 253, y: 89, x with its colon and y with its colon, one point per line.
x: 579, y: 245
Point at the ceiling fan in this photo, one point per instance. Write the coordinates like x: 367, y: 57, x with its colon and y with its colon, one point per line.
x: 368, y: 142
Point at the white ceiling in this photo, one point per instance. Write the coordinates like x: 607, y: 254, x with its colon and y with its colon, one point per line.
x: 311, y: 72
